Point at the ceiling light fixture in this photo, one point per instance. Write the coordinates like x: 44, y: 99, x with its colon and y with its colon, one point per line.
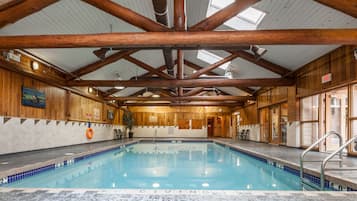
x: 90, y: 89
x: 119, y: 78
x: 156, y: 96
x: 35, y: 65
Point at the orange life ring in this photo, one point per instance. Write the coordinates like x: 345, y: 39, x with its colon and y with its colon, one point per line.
x: 89, y: 133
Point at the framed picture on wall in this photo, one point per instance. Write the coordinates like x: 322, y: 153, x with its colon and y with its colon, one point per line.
x: 33, y: 98
x: 110, y: 115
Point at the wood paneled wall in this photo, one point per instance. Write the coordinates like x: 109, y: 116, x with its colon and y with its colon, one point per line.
x: 248, y: 114
x: 271, y: 96
x: 56, y: 101
x: 340, y: 62
x: 182, y: 116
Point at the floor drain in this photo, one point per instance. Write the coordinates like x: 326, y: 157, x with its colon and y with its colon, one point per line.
x: 68, y: 154
x: 4, y: 163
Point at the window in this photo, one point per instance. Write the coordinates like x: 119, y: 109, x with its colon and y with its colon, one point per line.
x: 211, y: 58
x: 309, y: 120
x: 249, y: 19
x: 354, y: 117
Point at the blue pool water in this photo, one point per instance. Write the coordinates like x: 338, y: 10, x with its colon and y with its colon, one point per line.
x: 167, y: 166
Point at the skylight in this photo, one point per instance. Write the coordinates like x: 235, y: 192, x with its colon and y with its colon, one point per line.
x: 249, y: 19
x: 211, y: 58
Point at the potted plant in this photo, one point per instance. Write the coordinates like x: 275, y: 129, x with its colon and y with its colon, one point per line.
x: 128, y: 120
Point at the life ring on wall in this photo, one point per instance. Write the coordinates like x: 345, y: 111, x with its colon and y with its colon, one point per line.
x: 89, y: 133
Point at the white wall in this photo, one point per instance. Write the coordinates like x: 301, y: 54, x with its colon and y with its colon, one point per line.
x: 169, y: 131
x: 293, y: 134
x: 17, y: 137
x: 254, y: 131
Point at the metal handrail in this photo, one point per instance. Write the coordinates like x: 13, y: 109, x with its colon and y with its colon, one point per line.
x: 313, y: 145
x: 324, y: 162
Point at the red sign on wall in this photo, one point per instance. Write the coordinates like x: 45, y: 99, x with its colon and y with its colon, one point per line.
x: 326, y: 78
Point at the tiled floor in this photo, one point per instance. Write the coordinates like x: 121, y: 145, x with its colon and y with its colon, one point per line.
x: 169, y: 195
x: 288, y: 155
x: 292, y: 155
x: 25, y: 158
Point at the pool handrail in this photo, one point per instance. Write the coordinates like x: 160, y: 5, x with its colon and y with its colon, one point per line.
x: 329, y: 157
x: 314, y: 145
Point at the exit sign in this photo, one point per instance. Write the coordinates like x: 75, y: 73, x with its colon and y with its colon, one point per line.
x: 326, y: 78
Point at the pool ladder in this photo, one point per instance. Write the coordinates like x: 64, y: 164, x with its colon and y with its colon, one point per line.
x: 323, y: 162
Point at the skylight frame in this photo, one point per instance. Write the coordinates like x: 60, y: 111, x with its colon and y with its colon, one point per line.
x: 211, y: 58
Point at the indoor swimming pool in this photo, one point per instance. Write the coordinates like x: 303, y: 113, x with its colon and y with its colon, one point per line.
x: 165, y: 165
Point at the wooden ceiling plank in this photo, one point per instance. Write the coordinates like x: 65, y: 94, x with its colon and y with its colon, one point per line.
x: 184, y: 39
x: 148, y: 67
x: 348, y: 7
x: 21, y: 10
x: 99, y: 64
x: 127, y: 15
x: 202, y: 71
x: 185, y: 83
x: 223, y: 15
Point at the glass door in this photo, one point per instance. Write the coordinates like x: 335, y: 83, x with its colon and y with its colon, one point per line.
x: 283, y: 122
x: 264, y: 124
x: 275, y: 124
x: 336, y: 117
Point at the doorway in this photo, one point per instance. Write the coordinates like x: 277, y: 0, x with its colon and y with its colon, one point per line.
x: 210, y: 126
x: 336, y: 117
x: 264, y: 124
x: 275, y: 124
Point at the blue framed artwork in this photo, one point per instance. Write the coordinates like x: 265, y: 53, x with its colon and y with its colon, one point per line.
x: 33, y: 98
x: 110, y: 115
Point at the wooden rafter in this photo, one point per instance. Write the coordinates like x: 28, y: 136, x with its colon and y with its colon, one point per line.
x: 180, y: 15
x: 212, y: 67
x: 186, y: 104
x: 127, y: 15
x: 347, y: 6
x: 148, y: 67
x: 22, y: 9
x: 194, y: 91
x: 188, y: 98
x: 184, y: 83
x: 6, y: 4
x: 223, y: 15
x: 262, y: 63
x: 185, y: 39
x: 99, y: 64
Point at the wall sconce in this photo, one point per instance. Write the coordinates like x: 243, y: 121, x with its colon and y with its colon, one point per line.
x: 35, y: 65
x: 90, y: 89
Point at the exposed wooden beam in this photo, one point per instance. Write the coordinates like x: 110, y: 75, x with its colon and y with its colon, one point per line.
x: 197, y: 67
x: 186, y: 104
x: 149, y: 74
x: 212, y: 67
x: 184, y: 39
x: 127, y: 15
x: 18, y: 11
x: 223, y: 15
x: 188, y: 98
x: 148, y: 67
x: 6, y: 4
x: 180, y: 15
x: 184, y: 83
x: 194, y: 91
x: 262, y: 63
x: 347, y: 6
x: 99, y: 64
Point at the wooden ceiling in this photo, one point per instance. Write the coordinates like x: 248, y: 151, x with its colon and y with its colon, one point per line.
x: 158, y: 35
